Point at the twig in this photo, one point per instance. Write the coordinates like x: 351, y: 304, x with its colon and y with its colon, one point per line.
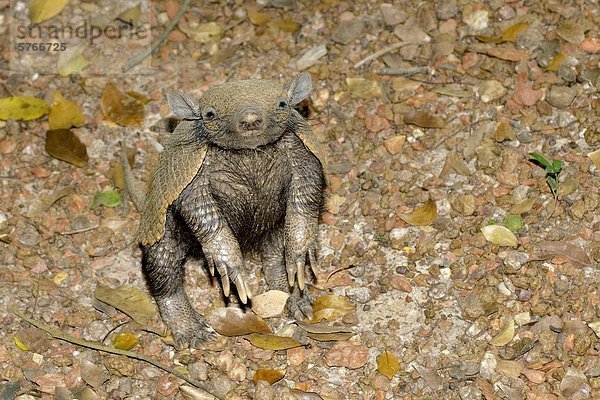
x: 406, y: 71
x: 89, y: 228
x: 58, y: 334
x: 139, y: 56
x: 379, y: 53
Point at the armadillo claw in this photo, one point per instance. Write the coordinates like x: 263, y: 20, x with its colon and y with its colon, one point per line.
x: 300, y: 266
x: 225, y: 282
x: 242, y: 289
x: 291, y: 273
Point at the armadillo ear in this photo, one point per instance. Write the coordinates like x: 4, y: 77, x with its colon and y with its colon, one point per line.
x: 183, y: 105
x: 299, y: 88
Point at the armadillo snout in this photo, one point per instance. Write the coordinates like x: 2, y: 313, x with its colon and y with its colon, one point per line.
x: 249, y: 119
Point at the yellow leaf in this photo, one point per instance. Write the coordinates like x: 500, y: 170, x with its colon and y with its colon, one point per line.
x: 387, y: 364
x: 63, y: 113
x: 130, y: 300
x: 20, y: 344
x: 269, y: 375
x: 330, y: 307
x: 256, y: 17
x: 510, y: 34
x: 22, y: 107
x: 286, y: 25
x: 488, y: 39
x: 507, y: 332
x: 41, y: 10
x: 499, y: 235
x: 555, y: 62
x: 273, y: 342
x: 423, y: 215
x: 132, y: 15
x: 203, y: 33
x: 233, y: 321
x: 60, y: 277
x: 125, y: 340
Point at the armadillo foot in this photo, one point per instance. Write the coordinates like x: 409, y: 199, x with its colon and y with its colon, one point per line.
x: 188, y: 327
x: 299, y: 304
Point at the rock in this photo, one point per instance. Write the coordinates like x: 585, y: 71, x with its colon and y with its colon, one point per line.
x: 574, y: 385
x: 446, y: 9
x: 392, y: 15
x: 561, y: 96
x: 409, y: 32
x: 347, y: 354
x: 516, y: 259
x: 590, y: 45
x: 401, y: 283
x: 347, y: 31
x: 572, y: 32
x: 92, y: 374
x: 311, y: 57
x: 490, y: 90
x: 477, y: 20
x: 394, y: 144
x: 364, y: 88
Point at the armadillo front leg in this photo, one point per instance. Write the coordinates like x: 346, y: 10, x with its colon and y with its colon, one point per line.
x: 273, y: 260
x: 162, y: 265
x: 220, y: 247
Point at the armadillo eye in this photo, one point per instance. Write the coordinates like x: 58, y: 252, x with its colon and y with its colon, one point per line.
x: 209, y: 113
x: 282, y: 104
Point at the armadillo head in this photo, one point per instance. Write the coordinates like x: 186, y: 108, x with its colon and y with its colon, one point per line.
x: 247, y: 114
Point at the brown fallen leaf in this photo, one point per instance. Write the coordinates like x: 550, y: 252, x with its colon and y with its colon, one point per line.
x: 269, y: 375
x: 256, y: 17
x: 129, y: 300
x: 423, y: 215
x: 232, y: 321
x: 286, y: 25
x: 64, y: 145
x: 330, y: 307
x: 45, y: 201
x: 430, y: 376
x: 388, y: 364
x: 272, y: 342
x: 454, y: 162
x: 506, y: 334
x: 121, y: 108
x: 572, y: 253
x: 423, y: 119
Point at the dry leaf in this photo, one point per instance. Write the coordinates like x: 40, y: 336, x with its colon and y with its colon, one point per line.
x: 488, y: 39
x: 424, y: 119
x: 71, y: 61
x: 322, y: 328
x: 423, y: 215
x: 510, y: 34
x: 45, y: 201
x: 364, y: 88
x: 555, y: 62
x: 22, y: 107
x: 256, y: 17
x: 573, y: 253
x: 130, y: 300
x: 507, y: 332
x: 234, y: 322
x: 64, y: 113
x: 499, y: 235
x: 330, y: 337
x: 64, y: 145
x: 454, y: 162
x: 286, y: 25
x: 125, y: 340
x: 387, y: 364
x: 430, y: 376
x: 203, y: 33
x: 41, y: 10
x: 131, y: 15
x: 330, y: 307
x: 121, y: 108
x: 269, y: 375
x: 269, y: 304
x: 522, y: 206
x: 595, y: 157
x: 273, y: 342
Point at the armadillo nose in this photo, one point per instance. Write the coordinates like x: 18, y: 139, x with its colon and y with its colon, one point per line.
x: 250, y: 120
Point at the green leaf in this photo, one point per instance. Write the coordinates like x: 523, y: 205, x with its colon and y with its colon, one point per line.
x: 552, y: 183
x: 110, y: 198
x: 513, y: 222
x: 557, y: 165
x: 539, y: 158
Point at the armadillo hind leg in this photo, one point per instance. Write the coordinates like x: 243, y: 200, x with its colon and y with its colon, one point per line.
x: 162, y: 265
x: 272, y: 255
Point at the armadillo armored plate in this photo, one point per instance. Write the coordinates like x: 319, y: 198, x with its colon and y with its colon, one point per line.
x: 178, y: 164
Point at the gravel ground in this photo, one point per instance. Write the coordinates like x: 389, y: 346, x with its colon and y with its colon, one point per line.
x: 414, y: 103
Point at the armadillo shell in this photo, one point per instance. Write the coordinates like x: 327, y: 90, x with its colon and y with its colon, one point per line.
x: 178, y: 164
